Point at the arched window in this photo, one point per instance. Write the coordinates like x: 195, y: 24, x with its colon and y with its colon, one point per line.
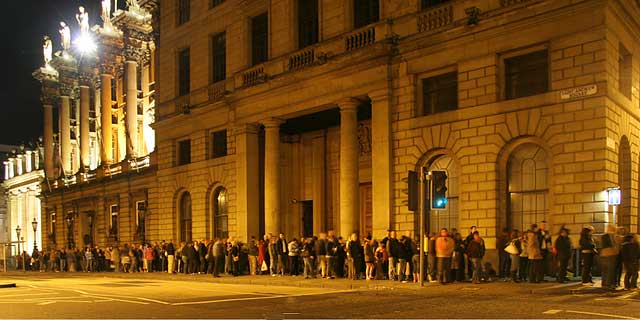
x: 221, y: 214
x: 528, y: 189
x: 185, y: 217
x: 447, y: 218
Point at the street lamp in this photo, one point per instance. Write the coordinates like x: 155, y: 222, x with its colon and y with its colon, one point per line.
x: 34, y: 224
x: 69, y: 232
x: 18, y: 230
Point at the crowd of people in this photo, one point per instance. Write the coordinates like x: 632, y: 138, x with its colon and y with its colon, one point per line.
x: 523, y: 256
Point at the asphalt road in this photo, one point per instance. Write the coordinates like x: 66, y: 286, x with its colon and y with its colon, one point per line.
x: 40, y: 296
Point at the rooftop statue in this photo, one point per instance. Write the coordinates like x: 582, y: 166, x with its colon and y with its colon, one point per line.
x: 47, y: 50
x: 106, y: 12
x: 133, y: 3
x: 65, y: 35
x: 83, y: 20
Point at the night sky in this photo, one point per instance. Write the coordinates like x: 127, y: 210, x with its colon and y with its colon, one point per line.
x: 23, y: 24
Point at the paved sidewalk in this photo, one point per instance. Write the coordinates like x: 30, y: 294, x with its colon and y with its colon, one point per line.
x: 335, y: 284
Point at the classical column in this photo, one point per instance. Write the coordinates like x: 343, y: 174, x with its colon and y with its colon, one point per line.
x: 381, y: 157
x: 65, y: 134
x: 272, y: 176
x: 84, y: 126
x: 107, y: 140
x: 147, y: 146
x: 132, y: 108
x: 247, y: 177
x: 349, y: 176
x: 318, y: 172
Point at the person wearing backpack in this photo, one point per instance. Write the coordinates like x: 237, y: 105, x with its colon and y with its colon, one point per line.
x: 608, y: 256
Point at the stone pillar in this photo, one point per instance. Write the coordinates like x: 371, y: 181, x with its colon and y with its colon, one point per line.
x: 349, y: 175
x: 132, y: 109
x: 248, y: 197
x: 318, y: 171
x: 65, y: 134
x: 48, y: 141
x: 84, y: 126
x: 272, y: 176
x: 107, y: 140
x: 147, y: 146
x: 382, y: 159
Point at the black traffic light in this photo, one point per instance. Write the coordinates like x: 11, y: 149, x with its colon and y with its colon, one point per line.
x: 439, y: 190
x: 413, y: 190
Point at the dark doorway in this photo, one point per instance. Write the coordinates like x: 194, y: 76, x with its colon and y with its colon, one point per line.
x: 307, y: 218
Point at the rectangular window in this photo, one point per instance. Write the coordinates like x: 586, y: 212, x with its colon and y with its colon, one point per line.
x: 526, y: 75
x: 215, y: 3
x: 624, y: 71
x: 52, y: 230
x: 184, y: 72
x: 184, y: 11
x: 184, y: 152
x: 365, y: 12
x: 259, y: 39
x: 307, y: 23
x: 432, y: 3
x: 113, y: 222
x: 141, y: 207
x: 219, y: 144
x: 440, y: 93
x: 218, y: 57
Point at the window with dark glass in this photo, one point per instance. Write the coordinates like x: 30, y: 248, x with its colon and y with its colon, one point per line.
x: 440, y: 93
x: 432, y: 3
x: 214, y: 3
x: 365, y: 12
x: 259, y: 39
x: 184, y: 152
x: 307, y: 22
x: 113, y: 222
x: 219, y: 144
x: 218, y: 57
x: 624, y: 71
x: 185, y: 217
x: 184, y: 72
x: 221, y: 217
x: 184, y: 11
x: 526, y: 75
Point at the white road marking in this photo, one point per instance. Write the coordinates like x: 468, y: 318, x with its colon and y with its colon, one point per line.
x: 628, y: 295
x: 45, y: 303
x: 26, y: 294
x: 599, y: 314
x: 552, y: 311
x: 256, y: 298
x: 114, y: 299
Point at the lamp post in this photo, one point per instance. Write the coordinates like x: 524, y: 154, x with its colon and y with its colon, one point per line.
x: 34, y: 224
x: 18, y: 230
x: 69, y: 232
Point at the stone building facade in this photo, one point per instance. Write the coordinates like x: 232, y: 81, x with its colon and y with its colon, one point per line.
x: 100, y: 184
x: 23, y: 177
x: 530, y: 106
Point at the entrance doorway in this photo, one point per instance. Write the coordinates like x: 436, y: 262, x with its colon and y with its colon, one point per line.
x: 307, y: 218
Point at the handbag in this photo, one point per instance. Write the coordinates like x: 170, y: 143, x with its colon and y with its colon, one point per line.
x: 264, y: 266
x: 236, y: 258
x: 511, y: 248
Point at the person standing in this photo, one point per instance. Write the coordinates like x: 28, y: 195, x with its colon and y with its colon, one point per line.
x: 369, y: 258
x: 283, y: 254
x: 308, y: 257
x: 608, y: 257
x: 320, y: 247
x: 545, y: 246
x: 218, y: 258
x: 504, y: 257
x: 331, y: 245
x: 171, y: 257
x: 475, y: 251
x: 630, y: 254
x: 535, y: 258
x: 253, y: 256
x: 392, y: 253
x: 563, y: 254
x: 294, y: 257
x: 444, y: 250
x: 273, y: 254
x: 587, y: 253
x: 514, y: 250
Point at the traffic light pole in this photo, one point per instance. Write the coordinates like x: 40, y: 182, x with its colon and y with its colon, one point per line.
x: 425, y: 186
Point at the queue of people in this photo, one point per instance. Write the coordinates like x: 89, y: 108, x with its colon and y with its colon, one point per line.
x: 523, y: 256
